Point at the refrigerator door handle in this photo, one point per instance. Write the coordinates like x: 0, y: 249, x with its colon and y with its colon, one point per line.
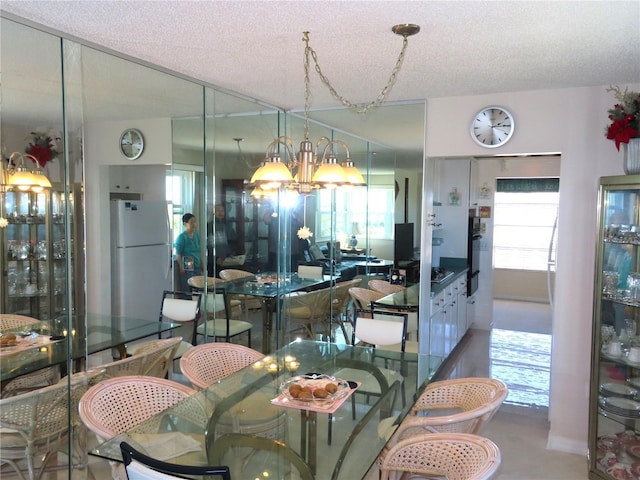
x: 169, y: 258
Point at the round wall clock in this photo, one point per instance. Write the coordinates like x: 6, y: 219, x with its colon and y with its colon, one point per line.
x: 492, y: 127
x: 132, y: 143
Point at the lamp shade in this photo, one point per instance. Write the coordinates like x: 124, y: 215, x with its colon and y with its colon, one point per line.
x: 354, y: 177
x: 330, y: 173
x: 272, y: 174
x: 24, y: 180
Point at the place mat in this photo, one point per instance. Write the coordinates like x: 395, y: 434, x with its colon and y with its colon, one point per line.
x: 282, y: 401
x: 27, y: 343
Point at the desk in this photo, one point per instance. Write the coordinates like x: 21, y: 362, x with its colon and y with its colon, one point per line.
x: 355, y: 443
x: 103, y: 332
x: 269, y: 293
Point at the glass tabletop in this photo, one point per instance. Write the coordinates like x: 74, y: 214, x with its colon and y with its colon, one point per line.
x: 50, y: 343
x: 407, y: 299
x: 334, y: 444
x: 272, y: 285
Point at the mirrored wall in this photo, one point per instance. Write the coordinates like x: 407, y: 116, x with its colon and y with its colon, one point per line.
x: 130, y: 149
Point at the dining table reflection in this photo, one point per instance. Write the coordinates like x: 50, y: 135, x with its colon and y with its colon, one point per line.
x: 360, y: 423
x: 67, y: 340
x: 270, y: 289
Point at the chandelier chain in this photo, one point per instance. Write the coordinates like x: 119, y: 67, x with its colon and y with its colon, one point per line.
x: 307, y: 84
x: 358, y: 107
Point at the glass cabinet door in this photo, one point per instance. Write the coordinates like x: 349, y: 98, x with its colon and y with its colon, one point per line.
x: 33, y: 247
x: 614, y: 432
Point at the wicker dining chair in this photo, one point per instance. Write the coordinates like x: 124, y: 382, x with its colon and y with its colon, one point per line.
x: 362, y: 297
x: 36, y: 424
x: 454, y: 456
x: 467, y: 403
x: 248, y: 302
x: 30, y: 381
x: 340, y: 312
x: 311, y: 311
x: 158, y: 355
x: 210, y: 362
x: 117, y: 404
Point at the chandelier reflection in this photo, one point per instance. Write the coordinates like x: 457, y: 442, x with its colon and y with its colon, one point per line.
x: 317, y: 166
x: 16, y: 175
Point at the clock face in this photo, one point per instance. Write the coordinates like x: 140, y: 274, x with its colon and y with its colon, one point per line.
x: 132, y: 143
x: 492, y: 127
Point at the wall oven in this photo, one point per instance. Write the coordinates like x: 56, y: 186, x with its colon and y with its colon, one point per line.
x: 473, y: 252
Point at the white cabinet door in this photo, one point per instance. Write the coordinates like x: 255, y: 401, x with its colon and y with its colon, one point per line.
x: 462, y: 307
x: 436, y: 325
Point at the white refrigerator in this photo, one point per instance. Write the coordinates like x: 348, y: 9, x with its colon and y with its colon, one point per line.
x: 141, y: 257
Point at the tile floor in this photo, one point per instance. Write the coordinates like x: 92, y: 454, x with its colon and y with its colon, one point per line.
x: 520, y: 427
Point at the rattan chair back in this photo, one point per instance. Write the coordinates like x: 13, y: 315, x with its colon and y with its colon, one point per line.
x: 385, y: 287
x: 455, y: 456
x: 362, y: 297
x: 208, y: 363
x: 467, y: 403
x: 117, y: 404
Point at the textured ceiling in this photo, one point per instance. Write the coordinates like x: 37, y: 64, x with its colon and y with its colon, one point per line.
x: 464, y: 47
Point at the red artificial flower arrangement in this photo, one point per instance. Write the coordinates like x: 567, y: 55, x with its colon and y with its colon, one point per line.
x: 43, y: 147
x: 624, y: 116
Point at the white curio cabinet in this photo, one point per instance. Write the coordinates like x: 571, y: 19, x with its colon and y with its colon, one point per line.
x: 614, y: 413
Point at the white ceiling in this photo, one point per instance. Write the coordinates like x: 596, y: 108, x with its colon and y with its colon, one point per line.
x: 464, y: 47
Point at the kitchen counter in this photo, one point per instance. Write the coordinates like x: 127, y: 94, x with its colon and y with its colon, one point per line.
x: 457, y: 271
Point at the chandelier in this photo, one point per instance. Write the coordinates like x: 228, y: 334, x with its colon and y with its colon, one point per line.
x: 16, y: 175
x: 310, y: 169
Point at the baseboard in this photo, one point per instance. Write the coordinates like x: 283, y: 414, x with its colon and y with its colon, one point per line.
x: 566, y: 445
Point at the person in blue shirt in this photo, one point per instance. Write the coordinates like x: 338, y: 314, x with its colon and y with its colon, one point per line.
x: 188, y: 251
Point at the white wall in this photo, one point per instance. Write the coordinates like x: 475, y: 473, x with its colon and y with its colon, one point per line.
x: 101, y: 143
x: 572, y: 122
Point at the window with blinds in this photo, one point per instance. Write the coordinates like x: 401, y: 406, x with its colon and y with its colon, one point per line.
x: 525, y: 210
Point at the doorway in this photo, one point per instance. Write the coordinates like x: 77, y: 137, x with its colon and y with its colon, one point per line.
x: 521, y: 319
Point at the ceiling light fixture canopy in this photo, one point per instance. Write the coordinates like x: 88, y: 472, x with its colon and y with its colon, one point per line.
x: 304, y: 172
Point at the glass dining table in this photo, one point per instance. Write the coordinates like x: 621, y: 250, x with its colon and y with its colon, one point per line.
x: 338, y: 438
x: 46, y: 343
x: 269, y: 288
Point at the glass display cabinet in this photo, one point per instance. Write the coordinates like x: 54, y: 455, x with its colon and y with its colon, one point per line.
x: 33, y: 248
x: 614, y: 419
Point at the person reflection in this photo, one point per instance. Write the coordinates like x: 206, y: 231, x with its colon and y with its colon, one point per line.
x: 220, y: 238
x: 188, y: 251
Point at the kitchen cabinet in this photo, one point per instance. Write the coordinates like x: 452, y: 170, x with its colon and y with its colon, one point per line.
x: 34, y: 247
x: 461, y: 301
x: 614, y: 406
x: 448, y: 319
x: 436, y: 324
